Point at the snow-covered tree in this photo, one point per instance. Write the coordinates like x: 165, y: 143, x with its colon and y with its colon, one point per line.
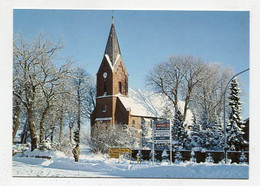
x: 146, y: 133
x: 204, y: 120
x: 210, y: 133
x: 151, y: 156
x: 208, y: 96
x: 177, y: 77
x: 167, y: 113
x: 105, y: 136
x: 242, y: 158
x: 179, y: 134
x: 216, y: 132
x: 192, y: 157
x: 196, y: 134
x: 34, y: 70
x: 235, y: 126
x: 209, y: 159
x: 165, y: 156
x: 44, y: 99
x: 200, y: 85
x: 178, y: 158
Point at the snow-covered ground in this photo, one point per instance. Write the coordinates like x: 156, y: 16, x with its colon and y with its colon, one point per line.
x: 92, y: 165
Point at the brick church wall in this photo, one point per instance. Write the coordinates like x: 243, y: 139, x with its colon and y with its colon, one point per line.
x: 104, y: 67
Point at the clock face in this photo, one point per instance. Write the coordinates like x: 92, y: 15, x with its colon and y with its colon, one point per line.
x: 105, y: 75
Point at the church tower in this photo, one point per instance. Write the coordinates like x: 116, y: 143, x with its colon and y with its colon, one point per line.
x: 112, y: 81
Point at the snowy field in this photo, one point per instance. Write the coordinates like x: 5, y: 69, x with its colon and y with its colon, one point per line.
x: 92, y: 165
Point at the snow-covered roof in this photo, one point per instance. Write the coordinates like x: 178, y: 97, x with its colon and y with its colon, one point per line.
x: 110, y: 63
x: 103, y: 119
x: 149, y: 104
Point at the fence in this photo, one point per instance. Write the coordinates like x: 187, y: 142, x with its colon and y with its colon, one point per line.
x: 200, y: 156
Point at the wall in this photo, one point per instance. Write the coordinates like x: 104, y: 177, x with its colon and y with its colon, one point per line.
x: 200, y: 156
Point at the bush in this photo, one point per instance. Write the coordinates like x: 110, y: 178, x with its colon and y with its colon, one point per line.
x: 178, y: 158
x: 104, y: 136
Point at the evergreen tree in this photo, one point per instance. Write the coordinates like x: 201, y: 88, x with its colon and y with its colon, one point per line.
x: 242, y: 158
x: 211, y: 133
x: 179, y: 134
x: 167, y: 113
x: 196, y: 134
x: 217, y: 135
x: 212, y: 138
x: 204, y: 120
x: 165, y: 156
x: 209, y: 159
x: 178, y: 157
x: 192, y: 157
x: 235, y: 139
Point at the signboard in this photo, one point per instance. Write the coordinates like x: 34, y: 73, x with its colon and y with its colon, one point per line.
x: 116, y: 152
x: 162, y: 138
x: 161, y: 133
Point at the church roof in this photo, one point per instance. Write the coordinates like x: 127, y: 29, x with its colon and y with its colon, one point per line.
x: 112, y: 47
x: 149, y: 104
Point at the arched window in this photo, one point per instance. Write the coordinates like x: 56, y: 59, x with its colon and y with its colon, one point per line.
x: 120, y: 87
x: 105, y: 88
x: 133, y: 123
x: 104, y: 109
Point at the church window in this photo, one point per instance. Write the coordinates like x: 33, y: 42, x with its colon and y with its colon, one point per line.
x: 126, y: 88
x: 120, y: 87
x: 104, y: 109
x: 133, y: 123
x: 105, y: 88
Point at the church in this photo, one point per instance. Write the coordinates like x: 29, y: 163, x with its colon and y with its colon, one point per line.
x: 113, y: 103
x: 116, y: 103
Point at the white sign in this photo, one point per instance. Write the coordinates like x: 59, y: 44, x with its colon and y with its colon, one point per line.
x: 162, y: 134
x: 161, y: 131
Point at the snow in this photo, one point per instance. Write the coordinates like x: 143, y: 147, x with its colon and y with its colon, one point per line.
x: 110, y: 63
x: 149, y: 104
x: 103, y: 119
x: 97, y: 165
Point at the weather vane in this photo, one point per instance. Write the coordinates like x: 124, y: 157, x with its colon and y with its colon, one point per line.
x: 112, y: 17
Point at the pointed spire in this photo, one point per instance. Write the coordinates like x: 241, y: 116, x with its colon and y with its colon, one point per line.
x: 112, y: 47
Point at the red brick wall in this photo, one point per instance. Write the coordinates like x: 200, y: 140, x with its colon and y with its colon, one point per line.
x: 104, y: 67
x: 121, y: 114
x: 120, y: 75
x: 101, y: 102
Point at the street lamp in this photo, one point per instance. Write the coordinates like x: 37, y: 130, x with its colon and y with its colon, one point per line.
x: 225, y: 126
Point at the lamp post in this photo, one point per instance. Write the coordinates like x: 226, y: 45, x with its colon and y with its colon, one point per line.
x: 225, y: 126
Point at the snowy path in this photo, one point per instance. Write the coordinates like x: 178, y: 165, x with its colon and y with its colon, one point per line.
x: 91, y: 165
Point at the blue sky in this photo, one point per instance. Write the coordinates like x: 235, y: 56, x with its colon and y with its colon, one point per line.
x: 145, y: 38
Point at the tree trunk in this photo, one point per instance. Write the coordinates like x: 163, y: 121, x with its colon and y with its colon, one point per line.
x: 24, y: 134
x: 16, y: 118
x: 44, y: 114
x: 79, y: 111
x: 61, y: 124
x: 186, y: 107
x: 33, y: 130
x: 70, y: 134
x: 52, y: 133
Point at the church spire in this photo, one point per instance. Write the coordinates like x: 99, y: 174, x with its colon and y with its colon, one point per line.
x: 112, y: 47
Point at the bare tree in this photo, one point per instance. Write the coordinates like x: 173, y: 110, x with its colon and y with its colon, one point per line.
x: 198, y: 84
x: 166, y: 78
x: 193, y: 68
x: 33, y: 64
x: 81, y: 88
x: 177, y: 77
x: 208, y: 96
